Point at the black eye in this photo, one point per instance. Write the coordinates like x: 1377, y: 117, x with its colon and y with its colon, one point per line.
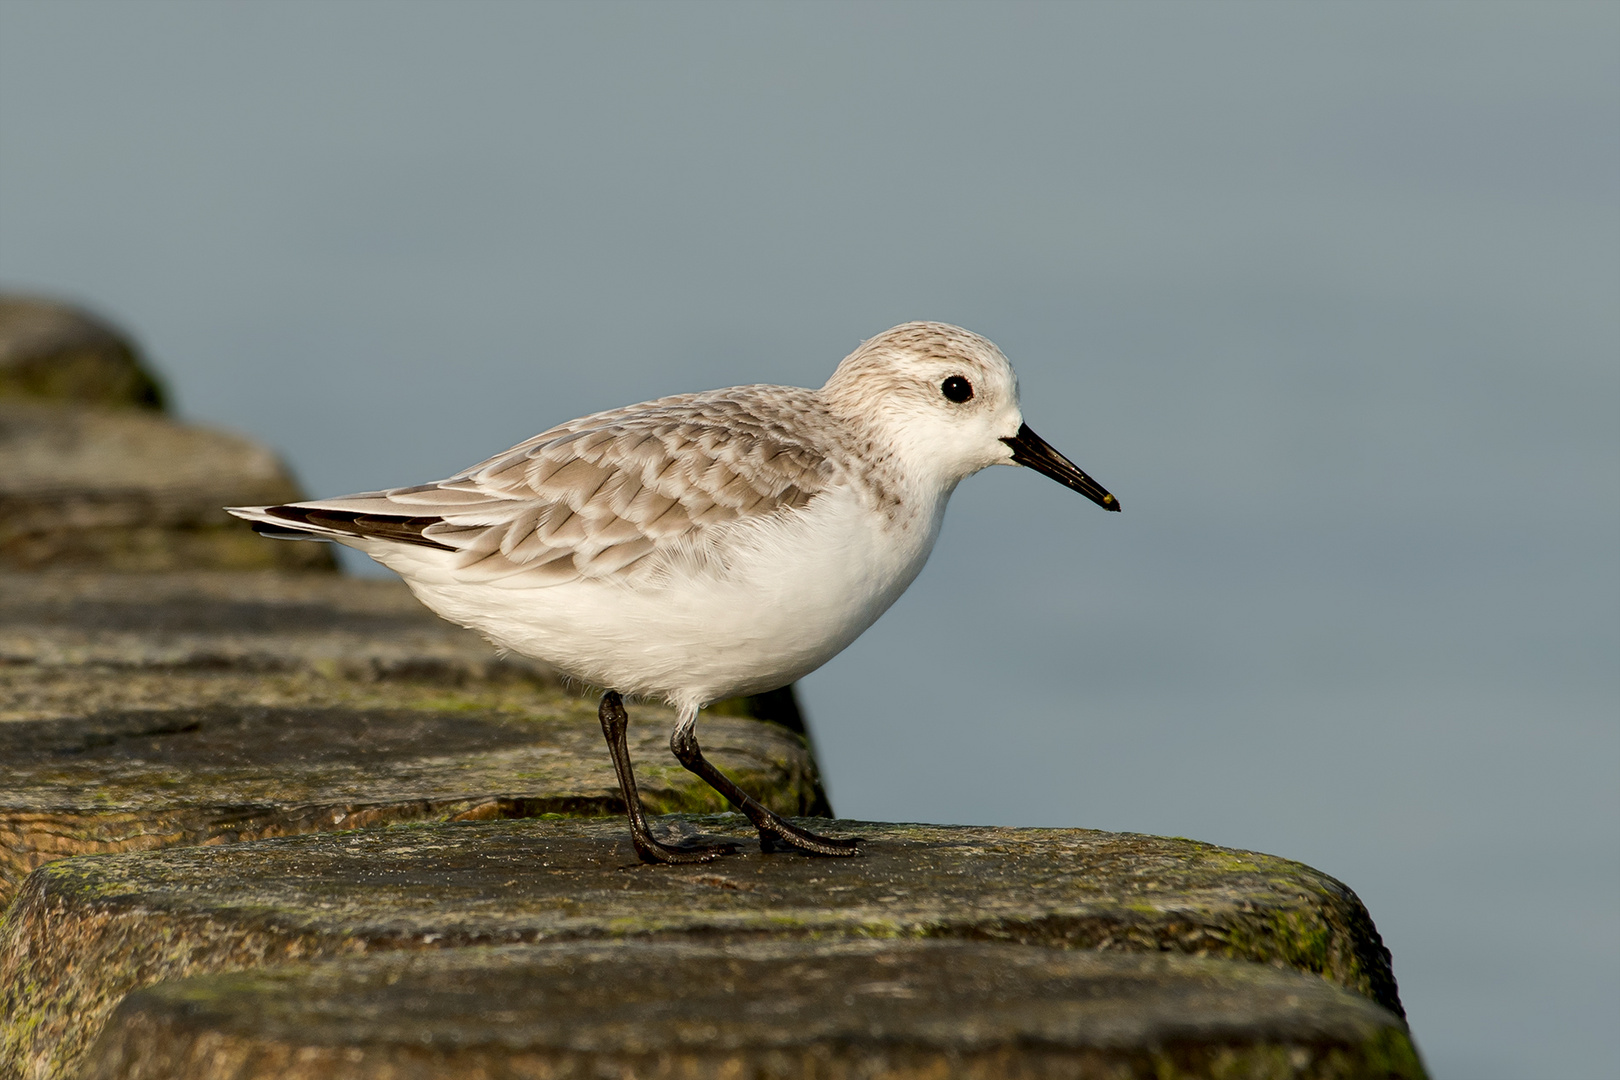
x: 956, y: 389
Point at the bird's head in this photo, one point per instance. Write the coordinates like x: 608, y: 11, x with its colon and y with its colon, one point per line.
x: 946, y: 400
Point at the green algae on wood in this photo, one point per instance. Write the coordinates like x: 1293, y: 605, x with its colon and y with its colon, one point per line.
x: 145, y: 779
x: 83, y: 932
x: 832, y: 1007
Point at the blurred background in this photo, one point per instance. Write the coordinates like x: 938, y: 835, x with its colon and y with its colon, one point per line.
x: 1328, y: 295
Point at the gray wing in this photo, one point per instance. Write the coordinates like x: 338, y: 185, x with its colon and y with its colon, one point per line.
x: 605, y: 495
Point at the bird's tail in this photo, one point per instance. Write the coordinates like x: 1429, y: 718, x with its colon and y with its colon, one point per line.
x: 266, y: 524
x: 350, y: 520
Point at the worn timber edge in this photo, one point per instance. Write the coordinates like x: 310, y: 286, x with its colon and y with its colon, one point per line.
x: 84, y: 932
x: 839, y: 1008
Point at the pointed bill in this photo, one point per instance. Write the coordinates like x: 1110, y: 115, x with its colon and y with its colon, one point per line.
x: 1030, y: 449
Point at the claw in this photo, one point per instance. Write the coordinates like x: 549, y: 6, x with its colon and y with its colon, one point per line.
x: 778, y: 835
x: 651, y: 851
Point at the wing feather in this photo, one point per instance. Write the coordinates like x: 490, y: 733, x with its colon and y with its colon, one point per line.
x: 618, y: 492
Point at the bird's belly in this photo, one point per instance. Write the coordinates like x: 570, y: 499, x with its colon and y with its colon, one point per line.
x: 790, y: 596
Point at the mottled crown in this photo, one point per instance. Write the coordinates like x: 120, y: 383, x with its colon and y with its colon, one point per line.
x: 888, y: 362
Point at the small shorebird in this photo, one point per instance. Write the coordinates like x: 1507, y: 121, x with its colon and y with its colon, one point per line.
x: 706, y: 545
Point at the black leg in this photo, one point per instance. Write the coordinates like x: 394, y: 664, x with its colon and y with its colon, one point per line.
x: 615, y: 723
x: 772, y: 829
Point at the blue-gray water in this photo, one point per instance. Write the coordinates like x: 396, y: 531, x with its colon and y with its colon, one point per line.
x: 1329, y: 295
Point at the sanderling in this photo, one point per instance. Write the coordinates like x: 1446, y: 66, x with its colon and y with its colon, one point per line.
x: 706, y: 545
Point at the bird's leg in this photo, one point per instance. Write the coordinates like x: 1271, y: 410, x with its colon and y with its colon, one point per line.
x: 615, y: 723
x: 772, y: 828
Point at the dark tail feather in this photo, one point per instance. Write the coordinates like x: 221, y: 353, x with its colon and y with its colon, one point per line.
x: 403, y: 530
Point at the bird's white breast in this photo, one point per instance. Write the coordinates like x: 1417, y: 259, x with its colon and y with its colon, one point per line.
x: 777, y: 597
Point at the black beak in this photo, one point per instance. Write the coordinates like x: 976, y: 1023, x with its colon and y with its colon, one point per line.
x: 1030, y: 449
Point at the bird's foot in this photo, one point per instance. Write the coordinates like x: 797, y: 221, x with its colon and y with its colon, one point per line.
x: 778, y: 835
x: 651, y: 851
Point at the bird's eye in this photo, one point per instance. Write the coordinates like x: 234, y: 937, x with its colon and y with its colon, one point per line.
x: 956, y: 388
